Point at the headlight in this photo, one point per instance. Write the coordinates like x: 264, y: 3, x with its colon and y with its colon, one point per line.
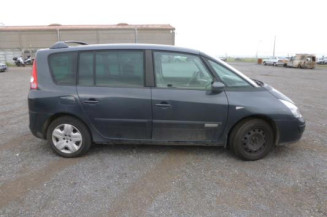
x: 295, y: 111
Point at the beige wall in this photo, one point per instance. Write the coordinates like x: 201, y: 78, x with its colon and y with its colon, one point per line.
x: 44, y: 39
x: 37, y: 39
x: 87, y: 36
x: 156, y: 37
x: 9, y: 40
x: 26, y: 39
x: 14, y: 42
x: 116, y: 36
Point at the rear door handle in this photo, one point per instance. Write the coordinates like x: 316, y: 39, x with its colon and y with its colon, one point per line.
x: 163, y: 105
x: 91, y: 101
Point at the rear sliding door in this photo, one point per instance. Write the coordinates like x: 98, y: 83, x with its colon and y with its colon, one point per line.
x: 111, y: 91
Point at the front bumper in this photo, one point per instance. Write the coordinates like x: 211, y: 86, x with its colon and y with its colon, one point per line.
x: 290, y: 131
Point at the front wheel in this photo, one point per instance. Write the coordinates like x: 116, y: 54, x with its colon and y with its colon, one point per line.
x: 68, y: 137
x: 252, y: 139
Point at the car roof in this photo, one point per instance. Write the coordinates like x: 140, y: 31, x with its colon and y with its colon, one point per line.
x: 127, y: 47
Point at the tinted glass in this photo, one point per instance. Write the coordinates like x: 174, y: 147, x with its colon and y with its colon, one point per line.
x: 176, y: 70
x: 62, y: 68
x: 85, y: 69
x: 227, y: 76
x: 119, y: 69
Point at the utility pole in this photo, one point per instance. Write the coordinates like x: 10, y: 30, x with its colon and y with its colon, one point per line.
x: 274, y: 46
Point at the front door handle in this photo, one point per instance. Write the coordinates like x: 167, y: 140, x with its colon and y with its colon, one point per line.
x: 163, y: 105
x: 91, y: 101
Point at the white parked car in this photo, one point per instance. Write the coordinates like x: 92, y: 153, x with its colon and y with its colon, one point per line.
x: 275, y: 61
x: 3, y: 67
x: 322, y: 61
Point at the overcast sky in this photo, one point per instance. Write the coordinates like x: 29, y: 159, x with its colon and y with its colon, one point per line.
x: 233, y: 28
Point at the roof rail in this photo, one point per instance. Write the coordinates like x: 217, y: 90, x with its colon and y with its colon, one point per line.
x: 63, y: 44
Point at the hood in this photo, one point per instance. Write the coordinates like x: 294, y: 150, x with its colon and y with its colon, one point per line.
x: 273, y: 91
x: 277, y: 93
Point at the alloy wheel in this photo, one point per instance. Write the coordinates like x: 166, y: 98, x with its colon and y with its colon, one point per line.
x: 67, y: 138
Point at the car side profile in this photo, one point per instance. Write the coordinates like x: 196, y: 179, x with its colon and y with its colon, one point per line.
x: 275, y: 61
x: 153, y: 94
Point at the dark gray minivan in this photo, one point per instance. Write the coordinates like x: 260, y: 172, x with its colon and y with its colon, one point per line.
x: 153, y: 94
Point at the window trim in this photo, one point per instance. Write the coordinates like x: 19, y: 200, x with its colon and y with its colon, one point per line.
x: 74, y: 67
x: 77, y: 68
x: 214, y: 71
x: 214, y: 78
x: 94, y: 66
x: 149, y: 69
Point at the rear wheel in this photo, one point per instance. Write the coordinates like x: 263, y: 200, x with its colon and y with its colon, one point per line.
x: 68, y: 137
x: 252, y: 139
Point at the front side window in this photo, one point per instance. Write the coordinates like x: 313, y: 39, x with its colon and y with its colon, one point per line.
x: 176, y: 70
x: 62, y: 68
x: 227, y: 76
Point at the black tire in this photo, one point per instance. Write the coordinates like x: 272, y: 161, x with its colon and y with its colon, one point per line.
x: 84, y: 145
x: 252, y: 139
x: 264, y: 63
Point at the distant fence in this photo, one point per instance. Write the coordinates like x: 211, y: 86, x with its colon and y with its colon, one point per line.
x: 7, y: 55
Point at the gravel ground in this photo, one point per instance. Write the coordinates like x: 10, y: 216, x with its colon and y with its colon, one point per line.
x: 132, y: 180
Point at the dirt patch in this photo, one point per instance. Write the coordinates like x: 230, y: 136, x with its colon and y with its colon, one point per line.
x: 140, y: 195
x: 13, y: 190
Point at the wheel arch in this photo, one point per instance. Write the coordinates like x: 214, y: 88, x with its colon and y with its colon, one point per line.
x: 270, y: 121
x: 62, y: 114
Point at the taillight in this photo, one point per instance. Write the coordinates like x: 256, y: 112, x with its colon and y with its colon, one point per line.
x: 33, y: 81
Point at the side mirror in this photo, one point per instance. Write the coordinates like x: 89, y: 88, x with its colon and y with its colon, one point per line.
x: 217, y: 87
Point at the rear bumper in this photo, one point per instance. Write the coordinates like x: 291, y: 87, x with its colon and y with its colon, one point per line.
x: 37, y: 124
x: 290, y: 131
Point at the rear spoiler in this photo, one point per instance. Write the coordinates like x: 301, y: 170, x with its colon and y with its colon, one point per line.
x: 63, y: 44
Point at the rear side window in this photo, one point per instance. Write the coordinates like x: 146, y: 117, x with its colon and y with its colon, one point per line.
x: 62, y: 68
x: 111, y: 68
x: 119, y: 68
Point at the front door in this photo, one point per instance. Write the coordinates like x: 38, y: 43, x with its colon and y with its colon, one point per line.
x: 112, y: 93
x: 184, y: 108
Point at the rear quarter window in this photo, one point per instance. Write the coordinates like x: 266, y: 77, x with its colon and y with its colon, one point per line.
x: 62, y: 67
